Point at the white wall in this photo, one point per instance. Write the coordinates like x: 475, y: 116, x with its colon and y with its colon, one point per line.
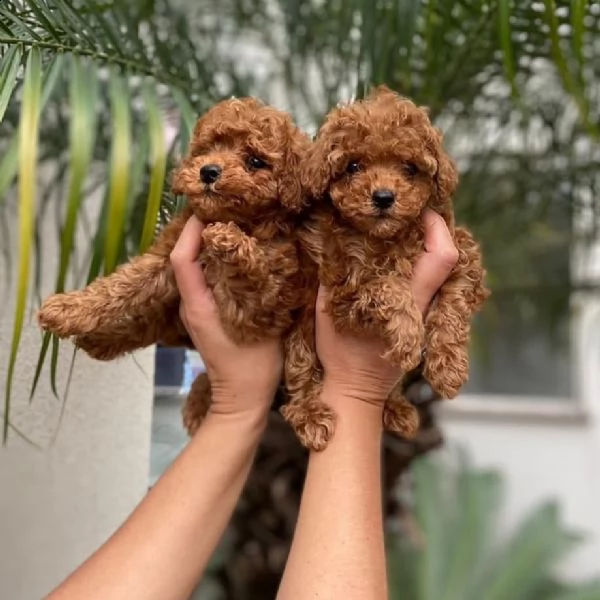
x: 58, y: 503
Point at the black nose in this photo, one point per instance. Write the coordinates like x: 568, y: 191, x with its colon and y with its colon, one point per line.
x: 210, y: 173
x: 383, y: 198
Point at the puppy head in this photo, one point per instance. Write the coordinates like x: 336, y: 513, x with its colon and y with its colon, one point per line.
x: 243, y: 163
x: 381, y: 162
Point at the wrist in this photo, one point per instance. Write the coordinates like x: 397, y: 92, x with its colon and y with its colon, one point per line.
x: 251, y: 420
x: 353, y: 399
x: 366, y: 391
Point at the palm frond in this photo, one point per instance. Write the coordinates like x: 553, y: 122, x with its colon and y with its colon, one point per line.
x: 28, y: 144
x: 474, y: 63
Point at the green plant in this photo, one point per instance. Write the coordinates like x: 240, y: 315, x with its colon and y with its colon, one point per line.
x: 114, y: 74
x: 87, y: 86
x: 459, y: 553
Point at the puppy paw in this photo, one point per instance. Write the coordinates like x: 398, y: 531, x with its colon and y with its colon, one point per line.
x: 60, y: 314
x: 197, y: 404
x: 401, y: 418
x: 405, y: 355
x: 314, y: 428
x: 446, y: 372
x: 224, y: 238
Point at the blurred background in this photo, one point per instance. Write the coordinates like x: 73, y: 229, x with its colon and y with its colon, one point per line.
x: 497, y: 498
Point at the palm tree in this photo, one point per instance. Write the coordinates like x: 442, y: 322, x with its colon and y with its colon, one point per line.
x: 89, y: 88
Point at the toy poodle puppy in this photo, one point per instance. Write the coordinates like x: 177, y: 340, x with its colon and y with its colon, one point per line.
x: 374, y: 167
x: 241, y: 179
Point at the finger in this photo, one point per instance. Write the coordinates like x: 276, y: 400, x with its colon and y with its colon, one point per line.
x: 184, y: 260
x: 322, y: 297
x: 324, y: 318
x: 435, y: 265
x: 438, y: 238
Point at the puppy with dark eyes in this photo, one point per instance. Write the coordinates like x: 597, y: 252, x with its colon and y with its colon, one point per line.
x: 241, y: 178
x: 374, y: 167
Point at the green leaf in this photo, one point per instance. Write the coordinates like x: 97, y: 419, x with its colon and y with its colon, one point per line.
x: 83, y: 93
x: 120, y: 165
x: 44, y: 15
x: 586, y: 591
x: 472, y: 526
x: 158, y: 166
x: 51, y: 77
x: 28, y: 148
x: 40, y: 363
x: 112, y: 32
x: 9, y: 160
x: 188, y: 117
x: 430, y: 510
x: 504, y: 13
x: 578, y: 12
x: 8, y: 166
x: 21, y: 26
x: 564, y: 71
x: 8, y: 76
x: 529, y: 556
x: 98, y: 244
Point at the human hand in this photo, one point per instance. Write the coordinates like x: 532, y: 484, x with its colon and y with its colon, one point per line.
x: 243, y: 377
x: 354, y: 365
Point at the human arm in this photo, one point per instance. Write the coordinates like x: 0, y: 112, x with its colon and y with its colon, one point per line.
x: 162, y: 549
x: 338, y: 548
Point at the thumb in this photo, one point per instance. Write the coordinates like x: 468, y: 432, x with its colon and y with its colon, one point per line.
x: 435, y: 265
x: 322, y: 314
x: 186, y: 268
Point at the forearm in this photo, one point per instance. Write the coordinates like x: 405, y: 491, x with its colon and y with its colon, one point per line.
x: 162, y: 550
x: 338, y: 548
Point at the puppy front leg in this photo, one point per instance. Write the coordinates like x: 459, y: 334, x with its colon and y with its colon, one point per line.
x: 141, y: 287
x: 448, y: 322
x: 399, y: 415
x: 253, y: 283
x: 227, y: 244
x: 385, y: 308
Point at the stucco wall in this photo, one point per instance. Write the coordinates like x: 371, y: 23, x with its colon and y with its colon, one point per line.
x: 58, y: 503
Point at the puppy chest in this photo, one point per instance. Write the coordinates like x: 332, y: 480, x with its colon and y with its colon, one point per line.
x: 364, y: 260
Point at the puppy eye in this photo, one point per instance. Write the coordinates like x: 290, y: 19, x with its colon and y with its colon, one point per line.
x: 256, y: 163
x: 353, y: 167
x: 410, y: 169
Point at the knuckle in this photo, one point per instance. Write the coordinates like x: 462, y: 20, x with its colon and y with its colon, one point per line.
x: 448, y: 256
x: 176, y: 258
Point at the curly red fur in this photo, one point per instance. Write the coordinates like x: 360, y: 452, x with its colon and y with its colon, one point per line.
x: 365, y: 254
x: 249, y: 252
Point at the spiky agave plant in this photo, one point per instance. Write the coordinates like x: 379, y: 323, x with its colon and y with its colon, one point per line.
x: 460, y: 553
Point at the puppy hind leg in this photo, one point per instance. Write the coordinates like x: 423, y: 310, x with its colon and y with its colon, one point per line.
x: 197, y: 404
x: 311, y: 419
x: 448, y: 323
x: 400, y: 416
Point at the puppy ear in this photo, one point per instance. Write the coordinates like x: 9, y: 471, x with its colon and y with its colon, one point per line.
x: 291, y: 193
x: 446, y: 182
x: 446, y: 178
x: 178, y: 181
x: 316, y: 169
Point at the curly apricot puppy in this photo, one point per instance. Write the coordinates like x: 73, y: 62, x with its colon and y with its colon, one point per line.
x: 373, y: 168
x: 241, y: 178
